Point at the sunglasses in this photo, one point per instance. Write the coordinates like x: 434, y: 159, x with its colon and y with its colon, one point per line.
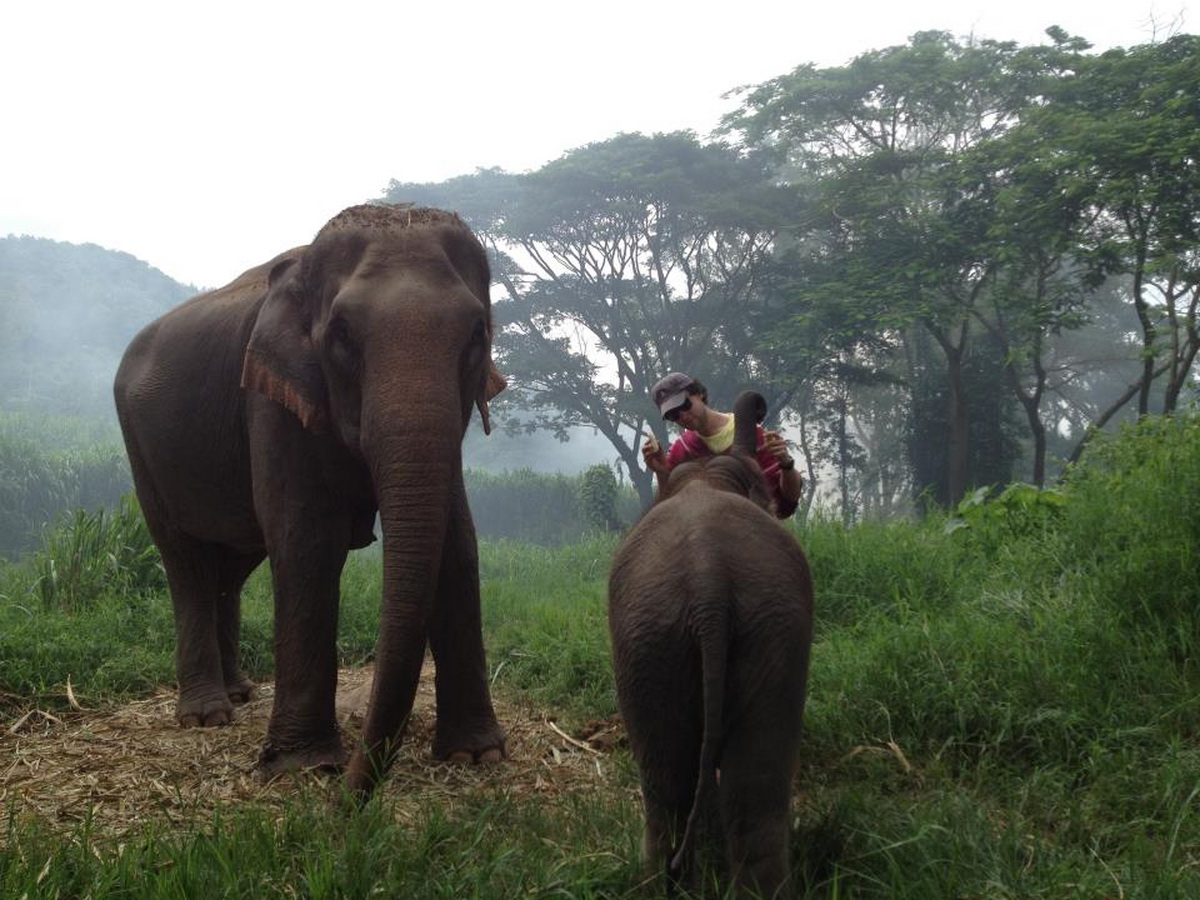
x: 674, y: 414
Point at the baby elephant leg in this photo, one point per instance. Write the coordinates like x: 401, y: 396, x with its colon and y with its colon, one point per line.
x: 756, y: 779
x: 667, y: 749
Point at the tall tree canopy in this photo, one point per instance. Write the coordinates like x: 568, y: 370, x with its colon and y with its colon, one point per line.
x: 890, y: 139
x: 979, y: 192
x: 625, y: 260
x: 929, y: 259
x: 1130, y: 121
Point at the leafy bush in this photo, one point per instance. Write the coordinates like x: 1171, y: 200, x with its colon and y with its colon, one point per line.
x: 1017, y: 511
x: 98, y: 552
x: 598, y: 497
x: 1026, y: 627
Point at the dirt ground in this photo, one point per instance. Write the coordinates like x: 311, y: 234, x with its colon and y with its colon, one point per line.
x: 134, y: 764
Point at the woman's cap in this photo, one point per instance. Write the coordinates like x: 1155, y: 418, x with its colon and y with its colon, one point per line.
x: 671, y: 392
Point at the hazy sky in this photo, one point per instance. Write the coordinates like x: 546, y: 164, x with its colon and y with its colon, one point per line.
x: 206, y: 137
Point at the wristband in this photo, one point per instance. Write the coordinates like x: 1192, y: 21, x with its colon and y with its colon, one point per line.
x: 787, y: 465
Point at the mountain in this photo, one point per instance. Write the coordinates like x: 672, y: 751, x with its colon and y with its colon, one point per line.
x: 67, y: 312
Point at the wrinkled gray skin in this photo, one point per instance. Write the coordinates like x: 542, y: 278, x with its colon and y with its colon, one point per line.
x: 273, y: 418
x: 710, y: 615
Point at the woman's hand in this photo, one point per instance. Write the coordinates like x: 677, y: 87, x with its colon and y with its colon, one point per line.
x: 775, y: 445
x: 653, y: 457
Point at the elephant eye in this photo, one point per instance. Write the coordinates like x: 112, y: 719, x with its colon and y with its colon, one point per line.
x: 341, y: 346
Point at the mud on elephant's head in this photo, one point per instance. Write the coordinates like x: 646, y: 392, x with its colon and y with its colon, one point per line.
x: 735, y: 472
x: 334, y: 312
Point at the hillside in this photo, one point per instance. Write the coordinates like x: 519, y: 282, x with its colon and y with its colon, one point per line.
x: 67, y: 312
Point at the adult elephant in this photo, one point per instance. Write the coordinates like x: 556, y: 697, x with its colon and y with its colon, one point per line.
x: 710, y: 615
x: 275, y: 417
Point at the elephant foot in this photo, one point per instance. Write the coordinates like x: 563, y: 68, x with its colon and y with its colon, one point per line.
x: 470, y: 743
x: 210, y: 713
x: 240, y: 691
x: 490, y: 755
x: 276, y: 759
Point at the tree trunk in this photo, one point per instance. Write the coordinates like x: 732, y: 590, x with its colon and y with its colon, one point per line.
x: 959, y: 424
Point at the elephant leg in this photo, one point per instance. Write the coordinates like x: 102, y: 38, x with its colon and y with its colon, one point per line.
x: 307, y: 533
x: 665, y: 739
x: 235, y: 569
x: 668, y: 780
x: 205, y: 581
x: 467, y: 730
x: 757, y: 765
x: 303, y: 731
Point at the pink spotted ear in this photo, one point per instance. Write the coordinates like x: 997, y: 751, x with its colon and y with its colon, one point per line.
x: 493, y: 385
x: 259, y: 374
x: 280, y: 361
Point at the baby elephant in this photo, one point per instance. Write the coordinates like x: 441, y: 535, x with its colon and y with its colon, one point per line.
x: 710, y: 614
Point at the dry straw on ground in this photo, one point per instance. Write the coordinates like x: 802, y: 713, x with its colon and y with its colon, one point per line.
x: 133, y: 765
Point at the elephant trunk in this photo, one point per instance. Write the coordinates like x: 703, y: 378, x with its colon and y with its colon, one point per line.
x: 748, y: 411
x: 413, y: 475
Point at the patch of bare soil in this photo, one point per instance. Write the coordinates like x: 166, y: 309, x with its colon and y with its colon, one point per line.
x: 132, y: 765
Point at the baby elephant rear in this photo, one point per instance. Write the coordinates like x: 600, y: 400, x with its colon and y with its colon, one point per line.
x: 710, y: 614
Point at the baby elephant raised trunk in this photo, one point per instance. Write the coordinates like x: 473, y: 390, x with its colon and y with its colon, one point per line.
x: 748, y: 411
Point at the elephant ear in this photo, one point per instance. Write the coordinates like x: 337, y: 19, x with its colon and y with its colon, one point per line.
x: 748, y: 411
x: 281, y: 362
x: 492, y: 385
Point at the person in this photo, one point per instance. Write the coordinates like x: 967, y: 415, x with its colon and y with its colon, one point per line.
x: 707, y: 431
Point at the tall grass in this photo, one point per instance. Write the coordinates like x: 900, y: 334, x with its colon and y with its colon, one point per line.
x: 45, y: 475
x: 1016, y: 700
x: 1003, y: 702
x: 545, y: 617
x: 548, y: 509
x: 94, y: 553
x: 494, y: 846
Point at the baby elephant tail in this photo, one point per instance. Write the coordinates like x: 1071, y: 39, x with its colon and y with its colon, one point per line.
x: 714, y: 642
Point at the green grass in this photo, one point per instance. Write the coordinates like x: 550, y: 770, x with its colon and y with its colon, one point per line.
x: 546, y: 620
x: 1004, y: 702
x: 493, y: 847
x: 50, y: 466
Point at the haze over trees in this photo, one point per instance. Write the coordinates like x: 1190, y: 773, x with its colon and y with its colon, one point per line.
x: 67, y: 313
x: 945, y: 263
x: 620, y: 261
